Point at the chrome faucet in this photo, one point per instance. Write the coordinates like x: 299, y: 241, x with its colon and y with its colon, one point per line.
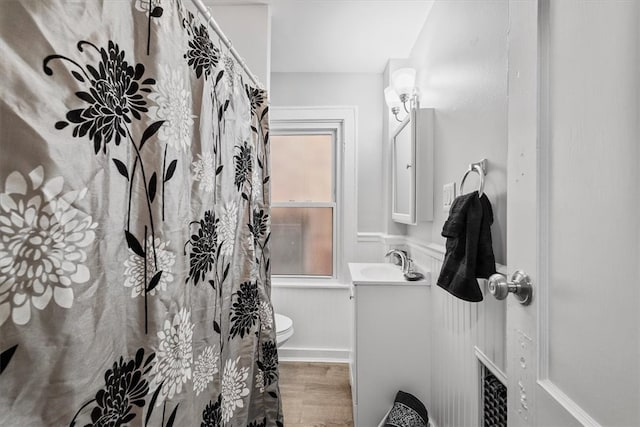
x: 405, y: 261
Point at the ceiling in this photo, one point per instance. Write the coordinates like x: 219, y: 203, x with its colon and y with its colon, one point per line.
x: 356, y: 36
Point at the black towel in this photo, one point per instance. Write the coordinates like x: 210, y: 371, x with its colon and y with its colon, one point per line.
x: 469, y: 249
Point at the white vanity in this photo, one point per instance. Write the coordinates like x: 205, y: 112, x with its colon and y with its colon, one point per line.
x: 392, y: 348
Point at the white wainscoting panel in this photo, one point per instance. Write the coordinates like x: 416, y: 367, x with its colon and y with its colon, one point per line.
x: 457, y: 327
x: 322, y: 322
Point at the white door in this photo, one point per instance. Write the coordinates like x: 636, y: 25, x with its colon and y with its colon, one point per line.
x: 573, y: 354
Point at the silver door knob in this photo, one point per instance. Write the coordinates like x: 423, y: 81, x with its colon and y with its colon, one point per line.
x: 520, y: 286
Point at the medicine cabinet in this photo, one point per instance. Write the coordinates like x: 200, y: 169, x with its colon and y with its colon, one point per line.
x: 412, y: 168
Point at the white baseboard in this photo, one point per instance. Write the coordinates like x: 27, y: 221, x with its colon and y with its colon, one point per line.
x: 324, y: 355
x: 352, y: 377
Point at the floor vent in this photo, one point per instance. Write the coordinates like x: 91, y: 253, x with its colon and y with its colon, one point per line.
x: 494, y: 396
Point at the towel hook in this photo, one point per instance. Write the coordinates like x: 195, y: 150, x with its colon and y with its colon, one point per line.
x: 481, y: 169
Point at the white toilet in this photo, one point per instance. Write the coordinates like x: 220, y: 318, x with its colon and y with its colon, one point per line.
x: 284, y: 329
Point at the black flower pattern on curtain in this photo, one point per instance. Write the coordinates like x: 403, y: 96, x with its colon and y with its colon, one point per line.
x: 256, y: 96
x: 244, y: 311
x: 259, y: 109
x: 244, y: 165
x: 202, y: 55
x: 113, y: 97
x: 259, y: 228
x: 212, y: 414
x: 260, y: 223
x: 269, y: 363
x: 204, y: 246
x: 125, y: 387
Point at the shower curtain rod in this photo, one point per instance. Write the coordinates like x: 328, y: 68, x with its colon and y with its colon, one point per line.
x: 213, y: 24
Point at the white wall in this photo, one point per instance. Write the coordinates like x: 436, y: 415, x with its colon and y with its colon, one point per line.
x: 461, y: 58
x: 346, y: 89
x: 248, y: 27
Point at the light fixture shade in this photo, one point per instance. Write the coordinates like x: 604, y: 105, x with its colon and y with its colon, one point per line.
x: 391, y: 98
x: 404, y: 80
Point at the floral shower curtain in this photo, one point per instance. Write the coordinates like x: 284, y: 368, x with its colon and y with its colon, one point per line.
x: 134, y: 221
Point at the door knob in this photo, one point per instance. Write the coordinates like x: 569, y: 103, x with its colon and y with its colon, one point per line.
x: 520, y: 286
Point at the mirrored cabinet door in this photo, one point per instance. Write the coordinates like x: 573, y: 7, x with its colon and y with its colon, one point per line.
x: 412, y: 168
x: 403, y: 158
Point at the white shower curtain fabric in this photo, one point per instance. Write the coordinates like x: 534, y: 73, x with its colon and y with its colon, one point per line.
x: 134, y: 221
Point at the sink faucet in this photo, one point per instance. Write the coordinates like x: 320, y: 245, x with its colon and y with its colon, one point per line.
x: 405, y: 261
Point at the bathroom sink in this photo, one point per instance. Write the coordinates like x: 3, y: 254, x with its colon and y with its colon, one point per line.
x: 381, y: 273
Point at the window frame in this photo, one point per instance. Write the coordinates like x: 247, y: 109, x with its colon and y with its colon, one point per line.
x: 335, y: 161
x: 341, y: 121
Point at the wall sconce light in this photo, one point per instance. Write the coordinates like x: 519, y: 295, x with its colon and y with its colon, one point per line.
x: 401, y: 91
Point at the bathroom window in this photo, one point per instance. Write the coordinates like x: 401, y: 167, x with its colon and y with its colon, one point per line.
x: 313, y: 195
x: 303, y: 203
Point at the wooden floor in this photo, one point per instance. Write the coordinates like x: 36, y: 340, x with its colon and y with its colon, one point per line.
x: 316, y: 394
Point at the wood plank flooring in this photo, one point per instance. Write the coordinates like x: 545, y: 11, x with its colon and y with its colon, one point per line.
x: 316, y: 394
